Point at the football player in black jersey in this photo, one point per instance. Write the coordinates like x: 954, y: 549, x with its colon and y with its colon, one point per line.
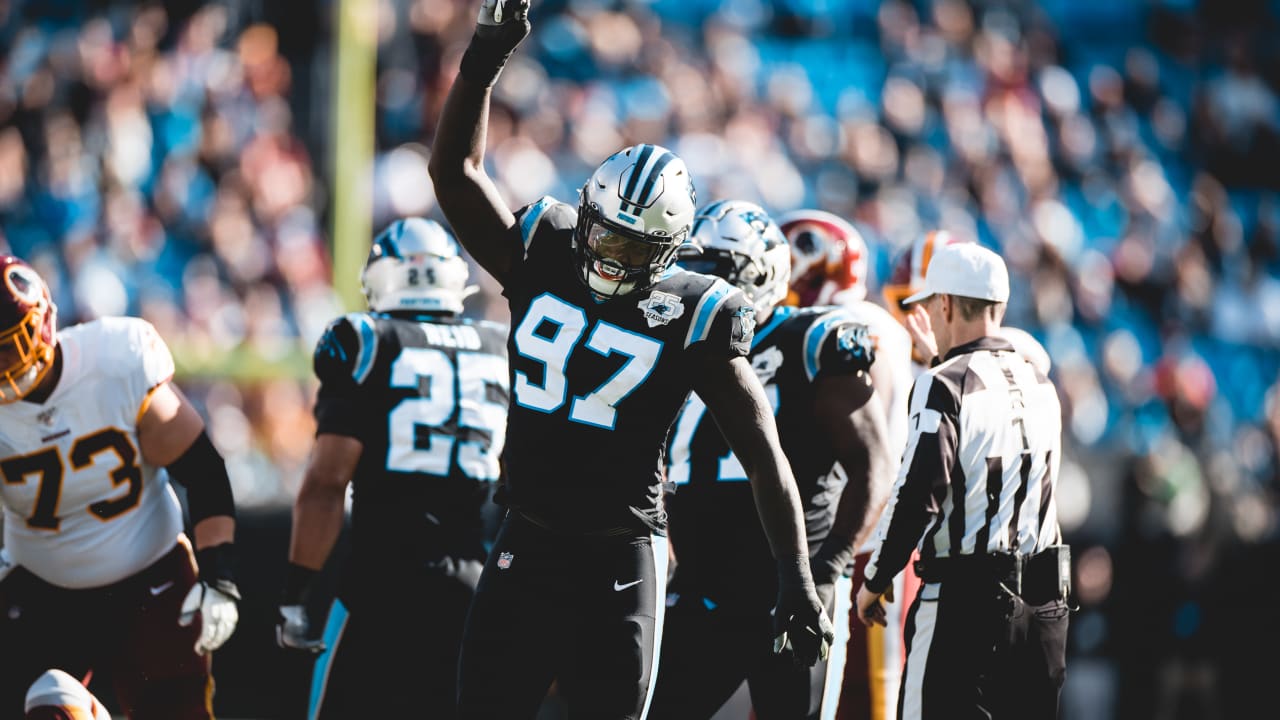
x: 411, y: 412
x: 815, y: 366
x: 607, y: 342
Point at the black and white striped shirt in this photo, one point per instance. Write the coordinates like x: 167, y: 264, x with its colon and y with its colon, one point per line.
x: 981, y: 464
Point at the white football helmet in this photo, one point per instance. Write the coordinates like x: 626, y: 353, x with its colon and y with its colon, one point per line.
x: 738, y: 241
x: 633, y: 213
x: 415, y: 264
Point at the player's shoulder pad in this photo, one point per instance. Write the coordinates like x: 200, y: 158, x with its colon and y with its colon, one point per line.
x: 714, y: 297
x: 347, y: 349
x: 546, y: 212
x: 835, y: 337
x: 120, y: 345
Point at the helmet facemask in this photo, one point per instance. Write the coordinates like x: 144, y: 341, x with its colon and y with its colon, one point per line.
x: 634, y: 211
x: 613, y: 261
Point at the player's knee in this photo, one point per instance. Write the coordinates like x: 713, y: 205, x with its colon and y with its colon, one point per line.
x: 55, y: 695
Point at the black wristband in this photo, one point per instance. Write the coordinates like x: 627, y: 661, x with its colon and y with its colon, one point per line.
x: 297, y: 584
x: 490, y: 48
x: 203, y: 472
x: 216, y: 563
x: 794, y: 575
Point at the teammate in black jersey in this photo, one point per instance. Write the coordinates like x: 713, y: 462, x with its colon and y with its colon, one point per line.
x: 412, y: 412
x: 607, y: 342
x: 815, y: 366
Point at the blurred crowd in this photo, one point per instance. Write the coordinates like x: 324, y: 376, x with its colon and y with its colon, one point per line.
x: 165, y: 160
x: 154, y: 168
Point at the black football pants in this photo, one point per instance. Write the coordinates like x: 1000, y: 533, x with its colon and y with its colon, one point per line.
x: 394, y: 652
x: 585, y: 611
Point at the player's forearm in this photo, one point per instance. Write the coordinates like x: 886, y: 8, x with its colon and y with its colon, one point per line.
x: 869, y: 466
x: 214, y: 530
x: 779, y: 507
x: 318, y: 516
x: 458, y: 150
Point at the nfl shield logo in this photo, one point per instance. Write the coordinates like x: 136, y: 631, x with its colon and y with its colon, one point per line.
x: 504, y: 560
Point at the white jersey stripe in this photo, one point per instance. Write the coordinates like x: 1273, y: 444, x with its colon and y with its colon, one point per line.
x: 661, y: 560
x: 839, y: 648
x: 926, y: 622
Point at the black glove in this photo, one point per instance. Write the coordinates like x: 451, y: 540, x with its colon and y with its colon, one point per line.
x: 500, y: 27
x: 800, y: 626
x: 292, y: 626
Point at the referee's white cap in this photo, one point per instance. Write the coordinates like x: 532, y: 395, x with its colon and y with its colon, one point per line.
x: 967, y: 270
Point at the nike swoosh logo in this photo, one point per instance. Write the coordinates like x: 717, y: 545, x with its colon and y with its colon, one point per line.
x: 619, y: 587
x: 161, y: 588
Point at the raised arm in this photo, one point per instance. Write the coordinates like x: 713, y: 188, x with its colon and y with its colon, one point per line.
x: 470, y: 201
x: 737, y: 400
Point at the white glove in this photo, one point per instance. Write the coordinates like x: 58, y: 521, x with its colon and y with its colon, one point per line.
x: 216, y: 604
x: 293, y: 628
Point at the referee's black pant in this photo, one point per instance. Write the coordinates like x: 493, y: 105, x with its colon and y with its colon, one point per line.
x: 975, y: 649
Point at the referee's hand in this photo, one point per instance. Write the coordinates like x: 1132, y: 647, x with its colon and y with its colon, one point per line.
x: 921, y: 331
x: 870, y: 608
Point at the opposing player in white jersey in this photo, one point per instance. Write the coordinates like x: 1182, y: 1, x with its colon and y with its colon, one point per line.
x: 98, y: 574
x: 829, y: 267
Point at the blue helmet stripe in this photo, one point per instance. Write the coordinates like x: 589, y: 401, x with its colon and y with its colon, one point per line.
x: 658, y: 166
x: 636, y: 172
x: 707, y: 213
x: 391, y: 241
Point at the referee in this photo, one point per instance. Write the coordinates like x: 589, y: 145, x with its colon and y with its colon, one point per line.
x: 986, y: 637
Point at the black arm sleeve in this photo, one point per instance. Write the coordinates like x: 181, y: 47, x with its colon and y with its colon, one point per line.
x: 203, y: 473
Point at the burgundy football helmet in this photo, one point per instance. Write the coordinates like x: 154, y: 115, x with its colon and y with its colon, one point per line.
x: 28, y: 329
x: 828, y: 258
x: 907, y: 277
